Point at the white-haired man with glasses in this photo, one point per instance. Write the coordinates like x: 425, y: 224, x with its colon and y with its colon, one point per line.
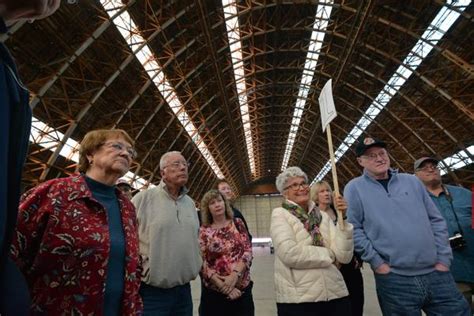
x: 455, y: 205
x: 400, y: 232
x: 168, y: 232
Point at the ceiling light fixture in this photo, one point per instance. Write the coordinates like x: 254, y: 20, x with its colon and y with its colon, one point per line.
x: 129, y: 31
x: 235, y: 46
x: 321, y: 20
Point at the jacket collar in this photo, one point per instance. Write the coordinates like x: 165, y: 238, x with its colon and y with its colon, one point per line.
x: 393, y: 173
x: 3, y: 26
x: 311, y: 205
x: 80, y: 189
x: 182, y: 192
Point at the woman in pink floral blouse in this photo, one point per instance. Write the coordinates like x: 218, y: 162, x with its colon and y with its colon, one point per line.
x: 227, y: 256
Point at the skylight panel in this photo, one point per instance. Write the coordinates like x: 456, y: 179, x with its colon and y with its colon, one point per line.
x: 430, y: 38
x: 458, y: 160
x: 320, y: 24
x: 48, y: 138
x: 131, y: 35
x: 233, y: 36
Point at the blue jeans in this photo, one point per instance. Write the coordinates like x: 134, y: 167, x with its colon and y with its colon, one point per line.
x: 435, y: 293
x: 175, y: 301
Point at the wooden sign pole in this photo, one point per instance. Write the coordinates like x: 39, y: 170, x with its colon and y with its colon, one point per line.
x: 340, y: 219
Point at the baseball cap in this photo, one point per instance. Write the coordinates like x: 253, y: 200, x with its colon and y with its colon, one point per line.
x: 367, y: 143
x: 422, y: 160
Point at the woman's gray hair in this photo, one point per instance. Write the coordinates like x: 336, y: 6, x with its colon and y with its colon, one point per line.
x: 290, y: 172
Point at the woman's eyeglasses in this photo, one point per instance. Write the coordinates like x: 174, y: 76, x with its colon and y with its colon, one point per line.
x: 119, y: 147
x: 297, y: 186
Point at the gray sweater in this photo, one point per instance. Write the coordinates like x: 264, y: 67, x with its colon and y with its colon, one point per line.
x: 168, y: 232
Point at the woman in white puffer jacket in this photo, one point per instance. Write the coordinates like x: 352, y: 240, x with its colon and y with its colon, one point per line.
x: 309, y: 249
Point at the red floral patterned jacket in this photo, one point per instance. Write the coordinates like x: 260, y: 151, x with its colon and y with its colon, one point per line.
x: 62, y: 247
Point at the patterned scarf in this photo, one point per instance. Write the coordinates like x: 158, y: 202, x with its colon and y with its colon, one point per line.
x: 310, y: 220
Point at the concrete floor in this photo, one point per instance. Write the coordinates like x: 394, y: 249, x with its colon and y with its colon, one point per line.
x: 263, y: 290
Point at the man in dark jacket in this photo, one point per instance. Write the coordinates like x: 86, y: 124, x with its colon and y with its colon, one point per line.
x: 455, y: 205
x: 15, y: 125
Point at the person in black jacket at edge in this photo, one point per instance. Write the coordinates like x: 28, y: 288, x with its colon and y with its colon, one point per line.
x: 224, y: 188
x: 15, y: 125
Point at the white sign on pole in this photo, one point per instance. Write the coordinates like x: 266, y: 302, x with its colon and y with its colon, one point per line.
x: 326, y: 105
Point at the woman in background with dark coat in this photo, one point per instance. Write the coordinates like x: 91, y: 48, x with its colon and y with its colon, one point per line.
x: 321, y: 195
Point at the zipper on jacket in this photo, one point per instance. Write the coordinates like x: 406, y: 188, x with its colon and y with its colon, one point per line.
x: 177, y: 211
x: 325, y: 286
x: 18, y: 81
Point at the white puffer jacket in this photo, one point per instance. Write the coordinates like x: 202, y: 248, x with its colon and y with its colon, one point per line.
x: 303, y: 272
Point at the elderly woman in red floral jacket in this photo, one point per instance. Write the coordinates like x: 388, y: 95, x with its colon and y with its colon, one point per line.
x: 76, y: 240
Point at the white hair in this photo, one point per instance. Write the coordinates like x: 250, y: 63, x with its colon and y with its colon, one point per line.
x: 290, y: 172
x: 164, y: 158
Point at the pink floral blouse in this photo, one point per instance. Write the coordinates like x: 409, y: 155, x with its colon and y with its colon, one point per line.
x: 222, y: 249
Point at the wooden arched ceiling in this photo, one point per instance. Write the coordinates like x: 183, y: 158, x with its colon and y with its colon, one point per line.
x: 84, y: 76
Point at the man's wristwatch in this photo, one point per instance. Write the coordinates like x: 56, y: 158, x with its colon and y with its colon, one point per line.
x: 239, y: 274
